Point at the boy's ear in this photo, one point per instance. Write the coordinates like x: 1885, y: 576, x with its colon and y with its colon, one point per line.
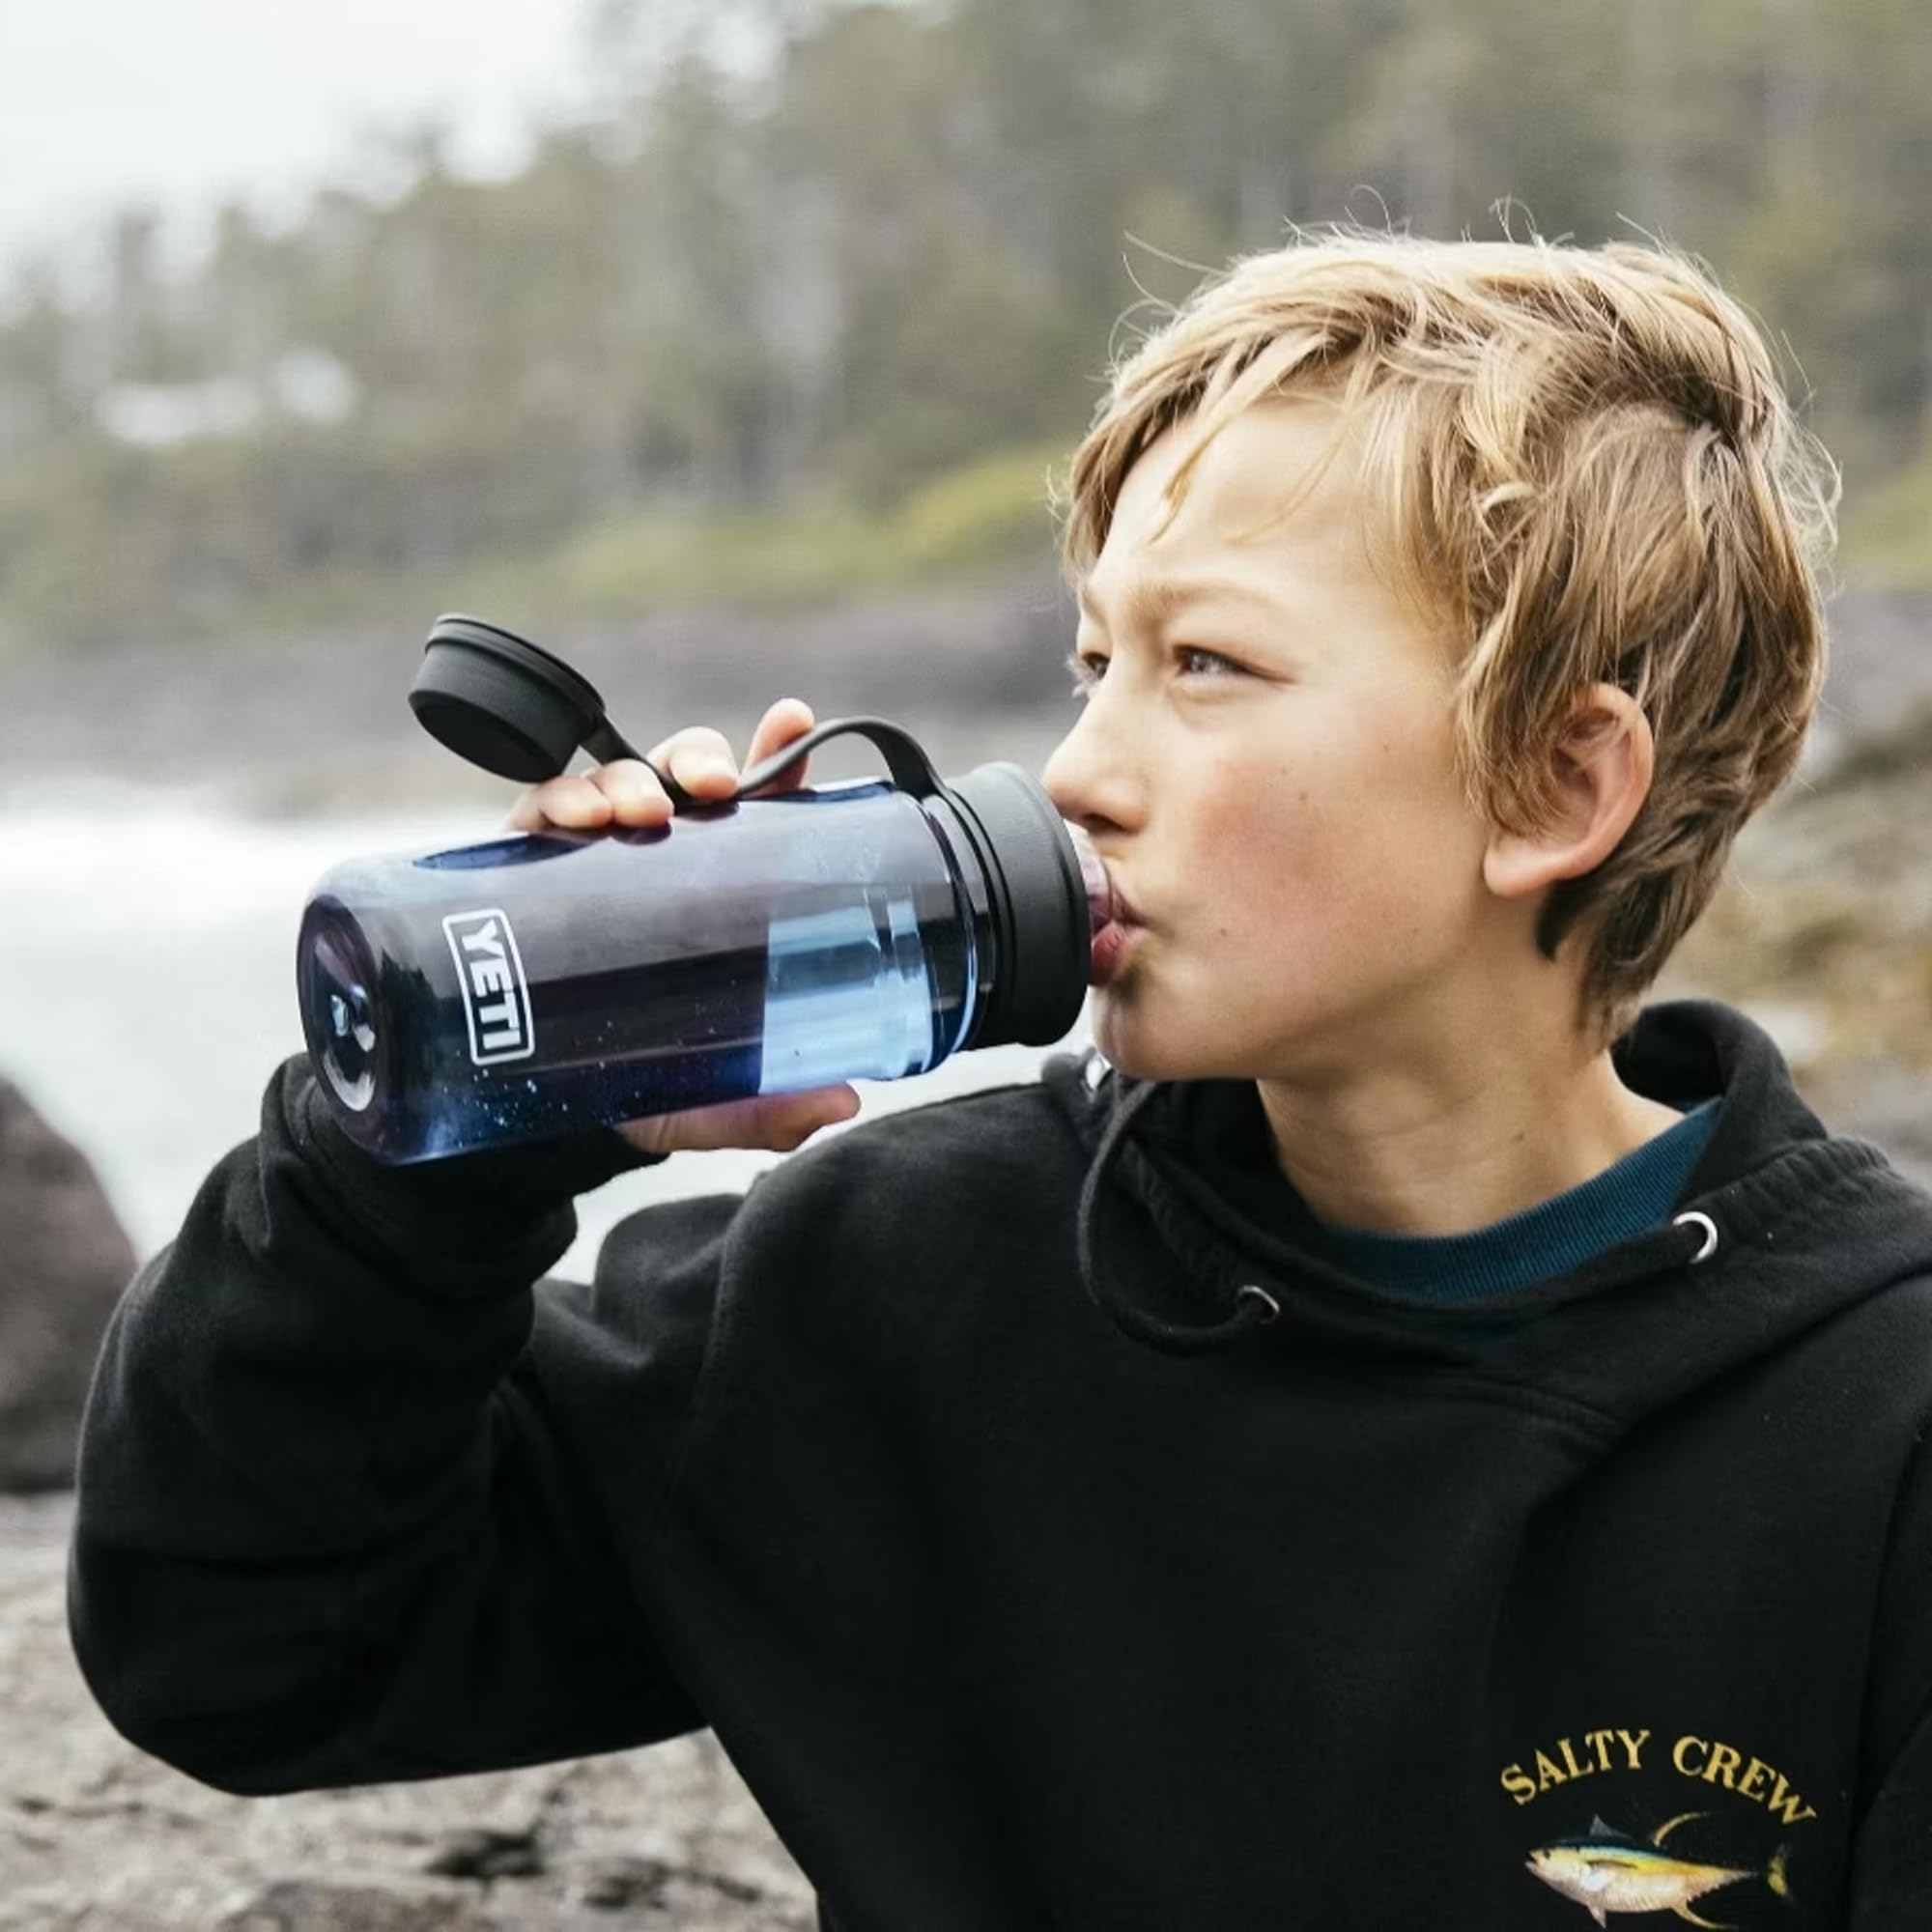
x: 1602, y: 759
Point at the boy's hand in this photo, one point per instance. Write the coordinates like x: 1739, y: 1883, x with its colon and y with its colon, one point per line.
x: 627, y: 792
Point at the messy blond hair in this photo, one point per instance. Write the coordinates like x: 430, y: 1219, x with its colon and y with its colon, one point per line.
x: 1591, y: 472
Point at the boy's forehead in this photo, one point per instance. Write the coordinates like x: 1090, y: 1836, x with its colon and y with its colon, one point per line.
x: 1299, y: 451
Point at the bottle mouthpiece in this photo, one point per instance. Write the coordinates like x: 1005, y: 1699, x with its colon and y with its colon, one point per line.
x: 1103, y: 906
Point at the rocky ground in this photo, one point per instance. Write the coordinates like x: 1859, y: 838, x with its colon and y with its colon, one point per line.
x: 1823, y: 931
x: 323, y: 723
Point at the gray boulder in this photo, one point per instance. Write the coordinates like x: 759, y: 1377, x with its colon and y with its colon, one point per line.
x: 64, y: 1261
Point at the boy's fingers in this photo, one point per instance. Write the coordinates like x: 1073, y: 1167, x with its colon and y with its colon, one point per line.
x: 623, y: 793
x: 626, y: 791
x: 778, y: 1122
x: 788, y: 719
x: 700, y: 760
x: 636, y: 796
x: 572, y: 801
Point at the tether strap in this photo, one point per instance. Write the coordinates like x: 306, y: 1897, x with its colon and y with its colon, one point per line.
x: 1253, y: 1306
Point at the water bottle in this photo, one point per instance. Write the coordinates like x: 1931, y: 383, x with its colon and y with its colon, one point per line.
x: 536, y: 986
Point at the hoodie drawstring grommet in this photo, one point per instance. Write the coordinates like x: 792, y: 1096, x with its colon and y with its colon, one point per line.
x: 1271, y: 1306
x: 1710, y: 1228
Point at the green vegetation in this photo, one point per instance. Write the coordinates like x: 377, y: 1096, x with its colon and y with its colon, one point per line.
x: 980, y: 520
x: 784, y: 336
x: 983, y: 517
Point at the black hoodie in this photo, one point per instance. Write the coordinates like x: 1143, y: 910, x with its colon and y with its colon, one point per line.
x: 1326, y: 1609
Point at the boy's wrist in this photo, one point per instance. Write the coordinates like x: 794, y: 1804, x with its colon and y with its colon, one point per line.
x: 486, y: 1206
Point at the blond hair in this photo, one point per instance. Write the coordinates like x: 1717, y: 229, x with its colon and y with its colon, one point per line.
x: 1592, y: 472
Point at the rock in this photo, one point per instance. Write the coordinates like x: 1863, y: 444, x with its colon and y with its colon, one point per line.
x: 486, y: 1854
x: 304, y: 1906
x: 64, y: 1261
x: 1879, y: 670
x: 1823, y: 929
x: 613, y: 1885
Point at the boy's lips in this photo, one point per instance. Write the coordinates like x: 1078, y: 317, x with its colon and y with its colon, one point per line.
x: 1111, y: 945
x: 1114, y: 939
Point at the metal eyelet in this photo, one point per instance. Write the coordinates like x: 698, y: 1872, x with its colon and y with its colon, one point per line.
x: 1267, y: 1301
x: 1710, y: 1228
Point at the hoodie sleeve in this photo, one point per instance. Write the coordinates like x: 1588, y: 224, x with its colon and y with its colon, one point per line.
x: 329, y: 1528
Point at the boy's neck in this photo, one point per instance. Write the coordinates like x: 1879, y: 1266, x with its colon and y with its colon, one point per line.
x: 1394, y: 1153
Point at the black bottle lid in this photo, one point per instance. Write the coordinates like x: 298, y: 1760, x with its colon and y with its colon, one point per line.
x: 1037, y: 903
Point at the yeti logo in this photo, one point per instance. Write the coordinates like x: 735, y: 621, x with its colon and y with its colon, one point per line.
x: 496, y: 998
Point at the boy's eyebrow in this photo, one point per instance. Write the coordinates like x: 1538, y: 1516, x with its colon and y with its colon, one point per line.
x: 1151, y: 600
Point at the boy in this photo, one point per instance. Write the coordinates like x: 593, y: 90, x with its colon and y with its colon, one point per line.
x: 1481, y: 1484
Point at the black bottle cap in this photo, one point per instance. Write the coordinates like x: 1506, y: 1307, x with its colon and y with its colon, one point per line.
x: 502, y: 701
x: 1043, y: 930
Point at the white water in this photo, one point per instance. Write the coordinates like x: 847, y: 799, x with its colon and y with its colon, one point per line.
x: 147, y: 989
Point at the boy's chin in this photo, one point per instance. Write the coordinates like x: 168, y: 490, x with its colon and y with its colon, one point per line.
x: 1135, y: 1055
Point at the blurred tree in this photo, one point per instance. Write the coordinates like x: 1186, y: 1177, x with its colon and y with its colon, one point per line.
x: 977, y: 359
x: 39, y: 403
x: 133, y: 332
x: 630, y: 42
x: 698, y: 388
x: 244, y: 315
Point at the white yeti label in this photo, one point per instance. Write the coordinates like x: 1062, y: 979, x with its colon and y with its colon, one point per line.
x: 496, y: 997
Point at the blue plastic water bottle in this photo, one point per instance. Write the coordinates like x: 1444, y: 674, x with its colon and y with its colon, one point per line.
x: 537, y: 986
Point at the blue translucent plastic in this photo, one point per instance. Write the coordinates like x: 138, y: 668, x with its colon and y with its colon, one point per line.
x: 532, y: 986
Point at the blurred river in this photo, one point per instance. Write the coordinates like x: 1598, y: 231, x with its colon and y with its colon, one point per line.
x: 147, y: 987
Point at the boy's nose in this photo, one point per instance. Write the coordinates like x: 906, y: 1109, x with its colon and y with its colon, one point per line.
x: 1090, y: 780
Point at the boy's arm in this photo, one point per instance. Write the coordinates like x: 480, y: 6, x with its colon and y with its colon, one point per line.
x: 325, y: 1531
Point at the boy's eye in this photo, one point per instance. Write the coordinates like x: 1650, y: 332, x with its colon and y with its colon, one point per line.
x: 1088, y: 668
x: 1215, y: 663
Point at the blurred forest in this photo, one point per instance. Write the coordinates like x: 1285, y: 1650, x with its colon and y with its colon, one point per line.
x: 780, y: 328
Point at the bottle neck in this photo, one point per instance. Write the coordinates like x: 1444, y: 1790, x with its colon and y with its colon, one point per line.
x: 1102, y: 902
x: 1024, y: 865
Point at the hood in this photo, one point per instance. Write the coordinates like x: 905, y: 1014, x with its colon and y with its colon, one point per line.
x: 1780, y: 1226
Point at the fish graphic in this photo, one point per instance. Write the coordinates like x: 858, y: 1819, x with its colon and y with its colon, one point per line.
x: 1609, y: 1871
